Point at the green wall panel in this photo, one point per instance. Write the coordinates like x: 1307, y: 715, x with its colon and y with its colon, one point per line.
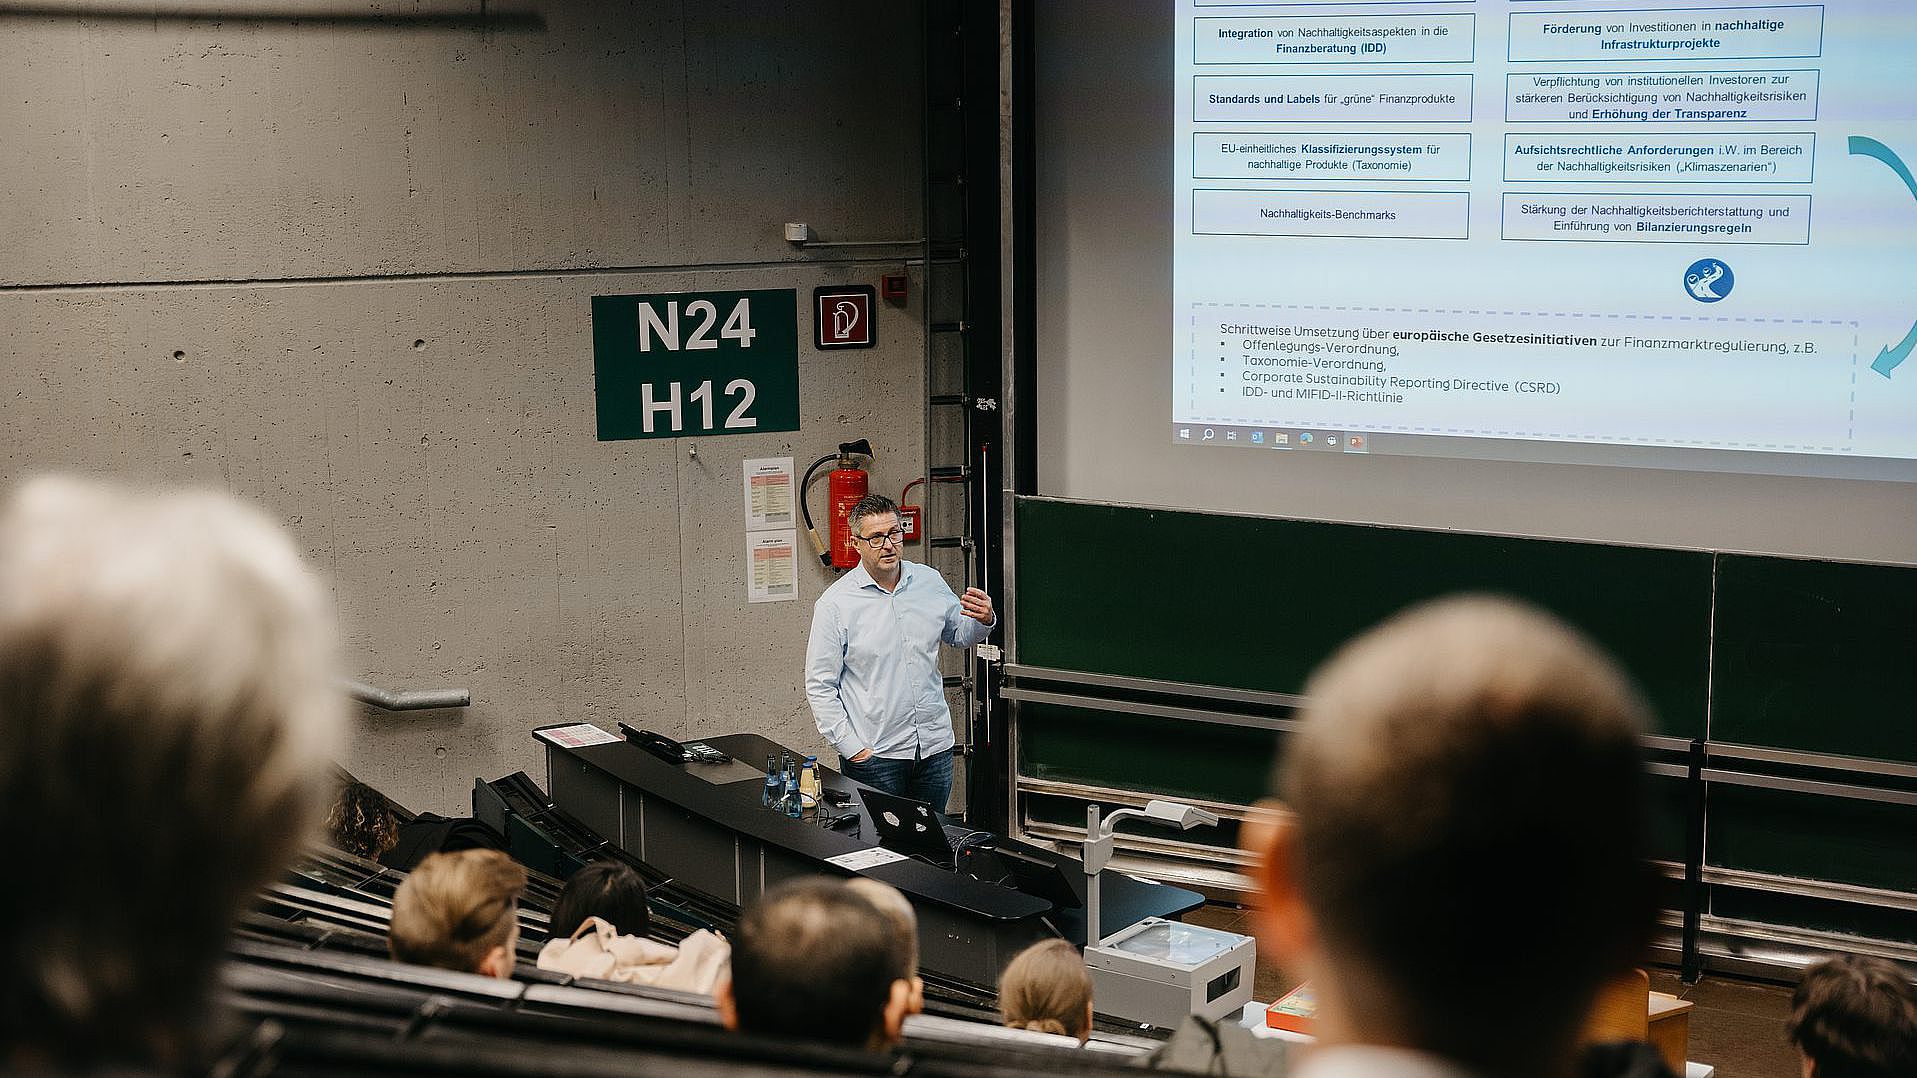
x: 1816, y: 656
x: 1819, y: 838
x: 1779, y: 652
x: 1255, y: 603
x: 1174, y: 757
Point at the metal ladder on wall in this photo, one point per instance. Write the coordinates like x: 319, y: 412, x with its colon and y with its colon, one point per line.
x: 951, y: 506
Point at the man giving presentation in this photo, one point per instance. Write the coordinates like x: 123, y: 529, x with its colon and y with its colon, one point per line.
x: 871, y: 668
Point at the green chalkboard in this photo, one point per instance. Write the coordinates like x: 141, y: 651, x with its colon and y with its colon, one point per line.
x: 1171, y: 757
x: 1812, y: 656
x: 1179, y: 758
x: 1821, y: 915
x: 1837, y: 839
x: 1257, y: 603
x: 1816, y: 656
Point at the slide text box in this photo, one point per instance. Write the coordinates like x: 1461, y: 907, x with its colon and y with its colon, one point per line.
x: 1744, y: 33
x: 1658, y: 158
x: 1427, y: 215
x: 1335, y: 39
x: 1332, y: 98
x: 1702, y: 218
x: 1610, y: 96
x: 1553, y: 374
x: 1331, y: 155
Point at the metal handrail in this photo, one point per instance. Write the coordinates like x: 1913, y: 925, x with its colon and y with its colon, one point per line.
x: 406, y: 699
x: 1140, y: 707
x: 1799, y: 758
x: 1155, y: 686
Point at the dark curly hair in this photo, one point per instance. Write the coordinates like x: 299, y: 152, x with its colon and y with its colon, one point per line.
x: 361, y: 821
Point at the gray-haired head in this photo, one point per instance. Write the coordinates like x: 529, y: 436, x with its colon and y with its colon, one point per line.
x: 168, y: 710
x: 869, y: 506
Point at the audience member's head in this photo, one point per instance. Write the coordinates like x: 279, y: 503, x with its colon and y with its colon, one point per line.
x: 459, y: 911
x: 1467, y: 771
x: 608, y: 890
x: 168, y: 709
x: 361, y: 821
x: 1047, y: 989
x: 816, y: 961
x: 898, y: 912
x: 1855, y: 1017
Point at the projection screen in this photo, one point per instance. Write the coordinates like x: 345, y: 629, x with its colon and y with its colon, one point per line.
x: 1595, y: 269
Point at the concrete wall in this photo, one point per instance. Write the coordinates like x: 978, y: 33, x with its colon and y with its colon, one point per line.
x: 344, y: 269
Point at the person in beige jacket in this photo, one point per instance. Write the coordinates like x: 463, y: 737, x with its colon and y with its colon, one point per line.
x: 599, y: 929
x: 597, y: 949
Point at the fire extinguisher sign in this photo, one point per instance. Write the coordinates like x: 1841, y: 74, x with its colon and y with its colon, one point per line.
x: 678, y: 364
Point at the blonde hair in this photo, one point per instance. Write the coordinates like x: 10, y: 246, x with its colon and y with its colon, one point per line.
x: 455, y: 908
x: 1047, y: 989
x: 897, y: 909
x: 168, y: 706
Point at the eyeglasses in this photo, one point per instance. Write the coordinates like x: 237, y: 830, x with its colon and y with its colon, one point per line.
x: 894, y: 537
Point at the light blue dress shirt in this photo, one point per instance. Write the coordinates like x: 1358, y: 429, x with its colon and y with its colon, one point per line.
x: 871, y: 667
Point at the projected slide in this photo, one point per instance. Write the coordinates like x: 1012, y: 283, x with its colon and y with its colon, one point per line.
x: 1677, y: 234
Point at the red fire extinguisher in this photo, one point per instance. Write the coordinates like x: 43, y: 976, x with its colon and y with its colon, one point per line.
x: 845, y: 485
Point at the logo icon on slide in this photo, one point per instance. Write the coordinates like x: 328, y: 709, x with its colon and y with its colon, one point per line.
x: 1709, y: 280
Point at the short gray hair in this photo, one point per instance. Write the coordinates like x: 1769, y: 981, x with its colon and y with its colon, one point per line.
x: 869, y: 506
x: 168, y: 708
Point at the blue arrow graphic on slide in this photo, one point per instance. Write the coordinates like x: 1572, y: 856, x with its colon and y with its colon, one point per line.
x: 1870, y: 147
x: 1888, y: 359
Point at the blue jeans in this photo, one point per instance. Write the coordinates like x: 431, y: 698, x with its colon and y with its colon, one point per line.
x: 928, y: 779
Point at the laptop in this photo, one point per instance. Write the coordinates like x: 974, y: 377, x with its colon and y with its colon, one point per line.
x: 907, y: 826
x: 1040, y: 878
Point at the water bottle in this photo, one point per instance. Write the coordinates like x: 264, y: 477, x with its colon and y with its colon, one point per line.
x: 809, y: 782
x: 774, y: 797
x: 794, y: 803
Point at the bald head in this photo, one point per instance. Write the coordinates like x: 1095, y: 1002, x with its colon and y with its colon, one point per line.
x: 1467, y: 772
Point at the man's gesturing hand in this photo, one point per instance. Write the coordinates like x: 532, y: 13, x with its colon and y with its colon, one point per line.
x: 977, y: 606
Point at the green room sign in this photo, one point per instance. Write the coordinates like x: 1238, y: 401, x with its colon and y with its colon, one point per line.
x: 677, y: 364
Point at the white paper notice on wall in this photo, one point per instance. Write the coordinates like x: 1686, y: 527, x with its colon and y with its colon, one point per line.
x: 772, y: 566
x: 768, y: 493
